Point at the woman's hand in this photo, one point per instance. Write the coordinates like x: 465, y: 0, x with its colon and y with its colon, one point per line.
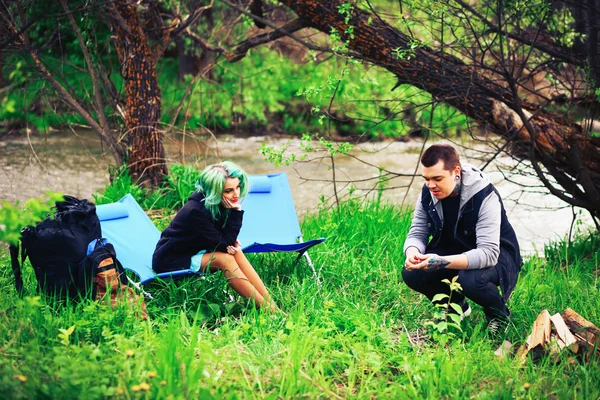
x: 228, y: 204
x: 234, y: 249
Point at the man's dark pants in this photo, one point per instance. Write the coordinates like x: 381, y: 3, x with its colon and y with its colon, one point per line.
x: 479, y: 285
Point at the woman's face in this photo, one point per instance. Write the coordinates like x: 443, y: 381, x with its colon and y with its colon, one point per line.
x: 440, y: 181
x: 231, y: 190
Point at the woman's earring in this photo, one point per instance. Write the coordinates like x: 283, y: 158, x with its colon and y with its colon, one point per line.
x: 457, y: 177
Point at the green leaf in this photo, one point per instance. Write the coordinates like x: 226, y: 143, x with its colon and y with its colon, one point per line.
x: 455, y: 325
x: 442, y: 326
x: 439, y: 297
x: 457, y: 308
x: 68, y: 331
x: 454, y: 318
x: 10, y: 106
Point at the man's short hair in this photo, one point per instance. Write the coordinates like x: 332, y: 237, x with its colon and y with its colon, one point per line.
x: 443, y: 152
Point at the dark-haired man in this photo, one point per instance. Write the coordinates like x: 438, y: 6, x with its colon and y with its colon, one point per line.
x: 460, y: 228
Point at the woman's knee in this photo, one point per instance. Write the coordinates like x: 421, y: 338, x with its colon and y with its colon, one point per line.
x: 219, y: 260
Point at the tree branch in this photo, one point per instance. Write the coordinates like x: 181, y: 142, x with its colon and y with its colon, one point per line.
x: 208, y: 47
x: 309, y: 46
x: 533, y: 43
x: 532, y: 151
x: 190, y: 19
x: 291, y: 27
x: 69, y: 99
x: 88, y: 60
x: 118, y: 18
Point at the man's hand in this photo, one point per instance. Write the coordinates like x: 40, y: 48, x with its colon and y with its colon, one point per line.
x: 430, y: 262
x: 412, y: 258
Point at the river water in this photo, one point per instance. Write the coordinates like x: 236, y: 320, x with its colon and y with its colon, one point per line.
x: 76, y: 163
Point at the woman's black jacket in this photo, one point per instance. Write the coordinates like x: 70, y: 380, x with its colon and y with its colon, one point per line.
x: 194, y: 229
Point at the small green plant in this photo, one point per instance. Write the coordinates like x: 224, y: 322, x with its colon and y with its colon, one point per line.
x: 120, y: 185
x: 275, y: 156
x: 448, y: 314
x: 13, y: 217
x: 65, y: 335
x: 172, y: 195
x: 345, y: 10
x: 309, y: 145
x: 381, y: 184
x: 409, y: 52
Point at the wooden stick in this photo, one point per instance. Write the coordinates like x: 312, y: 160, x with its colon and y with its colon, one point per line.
x: 565, y: 337
x: 540, y: 334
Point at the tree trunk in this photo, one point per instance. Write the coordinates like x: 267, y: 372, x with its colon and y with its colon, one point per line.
x: 188, y: 64
x: 569, y: 154
x: 146, y: 160
x: 585, y: 14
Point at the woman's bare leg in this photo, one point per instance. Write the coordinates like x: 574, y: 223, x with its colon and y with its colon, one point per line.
x: 234, y: 275
x: 251, y: 274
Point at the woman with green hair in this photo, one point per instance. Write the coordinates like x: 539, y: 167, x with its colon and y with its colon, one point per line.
x: 203, y: 234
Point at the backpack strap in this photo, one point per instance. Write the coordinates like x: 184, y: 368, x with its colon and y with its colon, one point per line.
x: 16, y: 267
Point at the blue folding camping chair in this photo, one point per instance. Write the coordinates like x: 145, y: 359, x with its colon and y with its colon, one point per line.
x: 270, y: 225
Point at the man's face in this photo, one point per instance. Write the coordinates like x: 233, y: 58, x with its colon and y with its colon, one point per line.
x: 440, y: 181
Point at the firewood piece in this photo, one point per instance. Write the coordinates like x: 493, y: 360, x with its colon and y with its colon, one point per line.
x: 582, y: 329
x: 540, y: 335
x: 565, y: 337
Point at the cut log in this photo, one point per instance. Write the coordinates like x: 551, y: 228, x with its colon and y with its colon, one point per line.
x: 551, y: 334
x: 565, y: 337
x: 539, y: 337
x: 582, y: 329
x: 540, y: 334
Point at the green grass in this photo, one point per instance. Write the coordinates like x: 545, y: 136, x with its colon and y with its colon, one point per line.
x: 346, y: 339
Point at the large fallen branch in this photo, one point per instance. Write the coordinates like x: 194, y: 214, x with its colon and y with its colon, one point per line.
x: 568, y: 153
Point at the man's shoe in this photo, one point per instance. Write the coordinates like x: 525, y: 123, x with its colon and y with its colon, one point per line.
x: 497, y: 326
x: 466, y: 311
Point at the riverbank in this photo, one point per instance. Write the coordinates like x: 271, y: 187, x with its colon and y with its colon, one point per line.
x: 77, y: 163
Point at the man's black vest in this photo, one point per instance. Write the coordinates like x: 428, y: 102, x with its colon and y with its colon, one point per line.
x: 509, y: 260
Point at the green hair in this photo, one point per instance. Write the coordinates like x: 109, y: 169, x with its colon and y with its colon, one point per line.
x: 212, y: 182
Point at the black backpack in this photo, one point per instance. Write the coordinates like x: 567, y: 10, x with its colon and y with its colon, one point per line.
x: 57, y: 246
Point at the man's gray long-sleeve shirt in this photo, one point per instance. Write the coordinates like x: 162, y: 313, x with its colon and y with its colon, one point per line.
x: 488, y: 223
